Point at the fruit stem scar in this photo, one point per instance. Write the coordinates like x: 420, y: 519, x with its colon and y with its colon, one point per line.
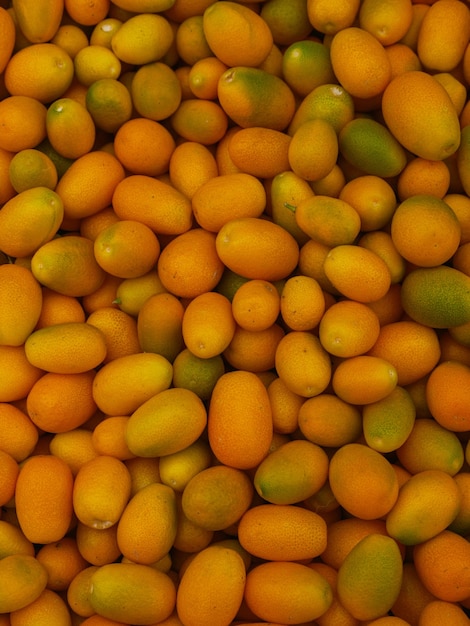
x: 291, y: 207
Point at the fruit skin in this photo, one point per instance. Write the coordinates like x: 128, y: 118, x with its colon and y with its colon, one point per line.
x: 23, y: 580
x: 134, y: 592
x: 211, y: 588
x: 437, y: 296
x: 420, y: 114
x: 20, y: 304
x: 370, y: 577
x: 38, y: 19
x: 371, y: 147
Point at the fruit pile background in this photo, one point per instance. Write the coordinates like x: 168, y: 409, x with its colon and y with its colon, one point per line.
x: 234, y: 312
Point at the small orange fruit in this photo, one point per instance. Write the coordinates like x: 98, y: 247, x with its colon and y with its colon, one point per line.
x: 235, y: 439
x: 151, y: 192
x: 226, y: 197
x: 360, y: 62
x: 70, y: 128
x: 370, y: 577
x: 302, y: 363
x: 256, y: 305
x: 236, y: 34
x: 125, y: 383
x: 211, y: 587
x: 286, y: 591
x: 182, y: 418
x: 444, y: 395
x: 99, y: 476
x: 24, y: 581
x: 358, y: 273
x: 364, y: 379
x: 116, y: 246
x: 208, y: 324
x: 280, y: 479
x: 69, y: 348
x: 21, y: 298
x: 257, y: 248
x: 189, y: 264
x: 329, y: 421
x: 415, y: 502
x: 348, y: 328
x: 23, y: 120
x: 59, y: 403
x: 217, y: 497
x: 369, y: 493
x: 44, y: 479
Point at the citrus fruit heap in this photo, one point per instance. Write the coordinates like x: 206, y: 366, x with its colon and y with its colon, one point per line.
x: 234, y: 312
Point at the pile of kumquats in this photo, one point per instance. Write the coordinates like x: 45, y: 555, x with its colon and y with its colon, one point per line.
x: 234, y: 312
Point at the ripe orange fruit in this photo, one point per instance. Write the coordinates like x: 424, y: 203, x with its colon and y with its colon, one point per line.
x: 434, y: 138
x: 368, y: 494
x: 9, y: 470
x: 24, y: 581
x: 116, y: 245
x: 99, y: 476
x: 147, y: 527
x: 211, y: 587
x: 32, y: 168
x: 159, y: 325
x: 440, y: 611
x: 208, y: 324
x: 272, y: 532
x: 446, y: 55
x: 303, y: 364
x: 422, y: 176
x: 235, y: 439
x: 236, y: 34
x: 280, y: 479
x: 44, y: 479
x: 182, y: 418
x: 217, y: 497
x: 387, y: 23
x: 149, y: 595
x: 444, y: 397
x: 330, y: 17
x: 449, y: 581
x: 331, y: 221
x: 431, y: 446
x: 257, y: 248
x: 328, y: 421
x: 125, y: 383
x: 89, y: 183
x: 109, y: 102
x: 144, y: 39
x: 63, y: 561
x: 302, y: 303
x: 413, y: 349
x: 21, y: 298
x: 155, y: 91
x: 313, y: 149
x: 150, y: 192
x: 360, y: 62
x: 364, y: 379
x: 23, y: 121
x: 256, y: 305
x: 176, y: 264
x: 70, y: 128
x: 422, y: 245
x: 287, y: 591
x: 226, y: 197
x: 69, y: 348
x: 61, y: 402
x: 191, y: 165
x: 131, y: 146
x: 42, y: 71
x: 254, y: 351
x: 348, y: 328
x: 8, y: 31
x: 373, y: 198
x: 358, y: 273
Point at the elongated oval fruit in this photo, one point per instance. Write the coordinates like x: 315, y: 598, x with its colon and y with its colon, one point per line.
x: 38, y: 20
x: 52, y: 348
x: 437, y: 296
x: 421, y: 116
x: 370, y: 577
x: 23, y: 578
x: 28, y: 220
x: 136, y: 593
